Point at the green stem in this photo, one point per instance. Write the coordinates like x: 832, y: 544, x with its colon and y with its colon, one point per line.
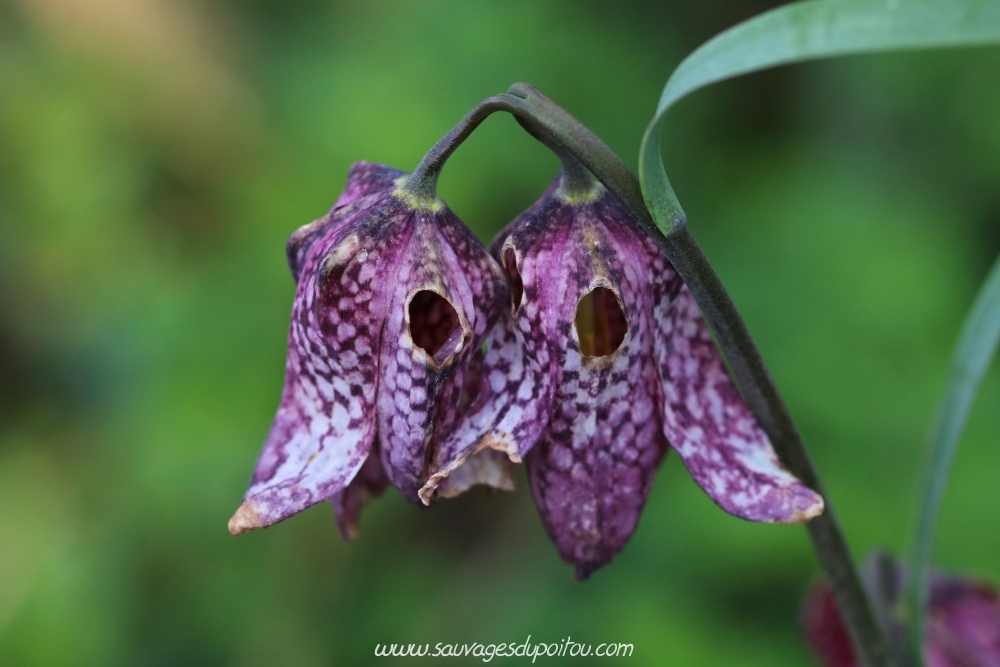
x: 542, y: 116
x: 423, y: 180
x: 576, y: 177
x: 976, y: 347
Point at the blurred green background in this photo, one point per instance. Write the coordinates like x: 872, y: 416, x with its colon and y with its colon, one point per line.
x: 154, y: 157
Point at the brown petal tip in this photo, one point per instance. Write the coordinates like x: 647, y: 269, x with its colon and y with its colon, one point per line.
x: 809, y: 512
x: 245, y: 519
x: 815, y: 510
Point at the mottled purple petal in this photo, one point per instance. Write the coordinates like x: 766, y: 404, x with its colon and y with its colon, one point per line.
x: 367, y: 178
x: 470, y: 430
x: 963, y: 624
x: 709, y: 425
x: 513, y: 401
x: 489, y: 292
x: 363, y: 180
x: 326, y: 418
x: 462, y: 290
x: 593, y: 466
x: 489, y: 424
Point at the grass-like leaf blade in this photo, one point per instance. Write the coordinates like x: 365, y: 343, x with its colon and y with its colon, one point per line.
x: 977, y: 345
x: 807, y: 31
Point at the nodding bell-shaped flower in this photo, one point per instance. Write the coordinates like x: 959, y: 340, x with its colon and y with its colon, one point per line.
x: 962, y: 622
x: 394, y: 298
x: 603, y: 361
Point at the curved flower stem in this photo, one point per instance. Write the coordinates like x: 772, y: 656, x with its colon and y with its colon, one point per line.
x: 423, y: 180
x: 542, y: 116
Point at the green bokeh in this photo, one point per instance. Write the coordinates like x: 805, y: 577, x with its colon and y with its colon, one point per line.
x: 154, y: 157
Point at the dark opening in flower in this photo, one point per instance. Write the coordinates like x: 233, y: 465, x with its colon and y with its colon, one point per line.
x: 600, y: 323
x: 434, y: 325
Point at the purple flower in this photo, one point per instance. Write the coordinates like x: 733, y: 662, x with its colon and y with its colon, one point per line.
x: 604, y: 360
x: 394, y: 298
x: 963, y: 624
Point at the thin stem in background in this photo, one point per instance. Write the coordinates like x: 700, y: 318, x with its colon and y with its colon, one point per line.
x: 976, y: 346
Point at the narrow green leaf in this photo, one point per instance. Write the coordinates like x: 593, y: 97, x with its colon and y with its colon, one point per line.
x: 806, y: 31
x: 977, y: 345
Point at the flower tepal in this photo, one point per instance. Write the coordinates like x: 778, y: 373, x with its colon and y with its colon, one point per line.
x: 963, y: 622
x: 394, y: 297
x: 606, y: 360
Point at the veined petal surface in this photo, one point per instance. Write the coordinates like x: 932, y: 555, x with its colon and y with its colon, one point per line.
x: 326, y: 418
x: 593, y: 465
x: 708, y: 423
